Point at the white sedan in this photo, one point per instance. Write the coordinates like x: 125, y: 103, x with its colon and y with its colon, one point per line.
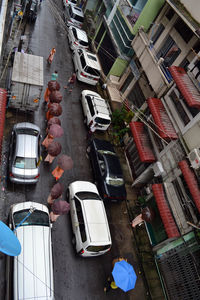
x: 77, y: 38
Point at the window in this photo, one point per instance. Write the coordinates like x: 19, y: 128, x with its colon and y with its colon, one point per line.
x: 90, y: 105
x: 136, y: 96
x: 80, y: 220
x: 169, y: 51
x: 169, y: 15
x: 127, y: 82
x: 179, y: 108
x: 157, y: 33
x: 184, y: 31
x: 101, y: 163
x: 25, y: 163
x: 82, y: 59
x: 37, y: 217
x: 92, y: 71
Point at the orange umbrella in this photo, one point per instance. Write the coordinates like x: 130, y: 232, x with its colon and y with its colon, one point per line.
x: 57, y: 172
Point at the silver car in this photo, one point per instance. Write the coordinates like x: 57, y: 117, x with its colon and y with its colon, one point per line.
x: 24, y: 156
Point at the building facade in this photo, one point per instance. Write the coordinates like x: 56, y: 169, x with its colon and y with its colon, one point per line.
x: 161, y: 85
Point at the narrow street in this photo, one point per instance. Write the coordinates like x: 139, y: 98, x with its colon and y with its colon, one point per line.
x: 75, y: 278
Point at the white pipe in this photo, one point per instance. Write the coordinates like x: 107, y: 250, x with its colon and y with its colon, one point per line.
x: 2, y: 21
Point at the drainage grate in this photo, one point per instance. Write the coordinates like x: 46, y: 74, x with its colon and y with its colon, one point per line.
x: 180, y: 269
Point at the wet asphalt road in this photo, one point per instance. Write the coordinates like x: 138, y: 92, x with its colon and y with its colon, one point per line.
x: 75, y: 278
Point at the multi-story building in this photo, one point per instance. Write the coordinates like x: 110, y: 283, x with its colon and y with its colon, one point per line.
x: 161, y: 85
x: 116, y: 22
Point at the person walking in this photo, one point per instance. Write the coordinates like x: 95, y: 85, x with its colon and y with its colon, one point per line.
x: 92, y: 129
x: 71, y: 82
x: 54, y: 76
x: 51, y: 55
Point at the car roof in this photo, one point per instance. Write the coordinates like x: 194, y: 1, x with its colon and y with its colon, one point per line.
x: 26, y: 145
x: 77, y: 10
x: 81, y: 34
x: 101, y: 106
x: 96, y: 220
x: 91, y: 60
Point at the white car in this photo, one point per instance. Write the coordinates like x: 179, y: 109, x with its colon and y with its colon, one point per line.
x: 96, y: 110
x: 89, y: 220
x: 87, y: 66
x: 69, y: 2
x: 73, y: 16
x: 32, y: 272
x: 77, y: 38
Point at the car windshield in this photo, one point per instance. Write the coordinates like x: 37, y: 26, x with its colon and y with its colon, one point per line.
x: 102, y: 121
x: 87, y: 195
x: 106, y: 152
x: 29, y: 131
x: 114, y: 181
x: 25, y: 163
x: 37, y: 217
x: 97, y: 248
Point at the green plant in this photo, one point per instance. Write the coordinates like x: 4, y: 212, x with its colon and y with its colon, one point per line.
x: 119, y: 128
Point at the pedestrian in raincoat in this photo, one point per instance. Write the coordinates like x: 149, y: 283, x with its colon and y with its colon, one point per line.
x: 71, y: 83
x: 51, y: 55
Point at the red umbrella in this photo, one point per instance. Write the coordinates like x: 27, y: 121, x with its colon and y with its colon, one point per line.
x: 54, y: 120
x: 55, y: 109
x: 53, y: 85
x: 60, y: 207
x: 148, y: 214
x: 65, y: 162
x: 56, y: 190
x: 55, y: 97
x: 54, y: 148
x: 56, y: 130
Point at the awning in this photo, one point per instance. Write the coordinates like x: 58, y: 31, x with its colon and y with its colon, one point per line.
x: 3, y: 100
x: 165, y: 128
x: 186, y: 86
x: 142, y: 142
x: 165, y: 213
x: 191, y: 181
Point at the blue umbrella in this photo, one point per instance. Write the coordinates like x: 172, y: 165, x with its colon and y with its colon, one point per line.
x: 124, y: 275
x: 9, y: 243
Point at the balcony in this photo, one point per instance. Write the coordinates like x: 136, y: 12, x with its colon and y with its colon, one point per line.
x: 158, y: 75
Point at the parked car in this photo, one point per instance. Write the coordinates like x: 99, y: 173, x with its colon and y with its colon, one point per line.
x: 87, y: 66
x: 96, y: 110
x: 30, y: 276
x: 77, y: 38
x: 73, y: 16
x: 89, y: 220
x: 69, y: 2
x: 24, y: 156
x: 107, y: 170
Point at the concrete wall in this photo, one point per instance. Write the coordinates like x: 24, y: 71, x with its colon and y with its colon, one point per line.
x: 193, y: 7
x: 148, y: 14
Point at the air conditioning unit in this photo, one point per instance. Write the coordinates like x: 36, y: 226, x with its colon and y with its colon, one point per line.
x: 194, y: 158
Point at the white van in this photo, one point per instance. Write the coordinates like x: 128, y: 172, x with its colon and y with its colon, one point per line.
x: 96, y: 110
x: 89, y: 221
x: 73, y: 16
x: 33, y: 268
x: 87, y: 66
